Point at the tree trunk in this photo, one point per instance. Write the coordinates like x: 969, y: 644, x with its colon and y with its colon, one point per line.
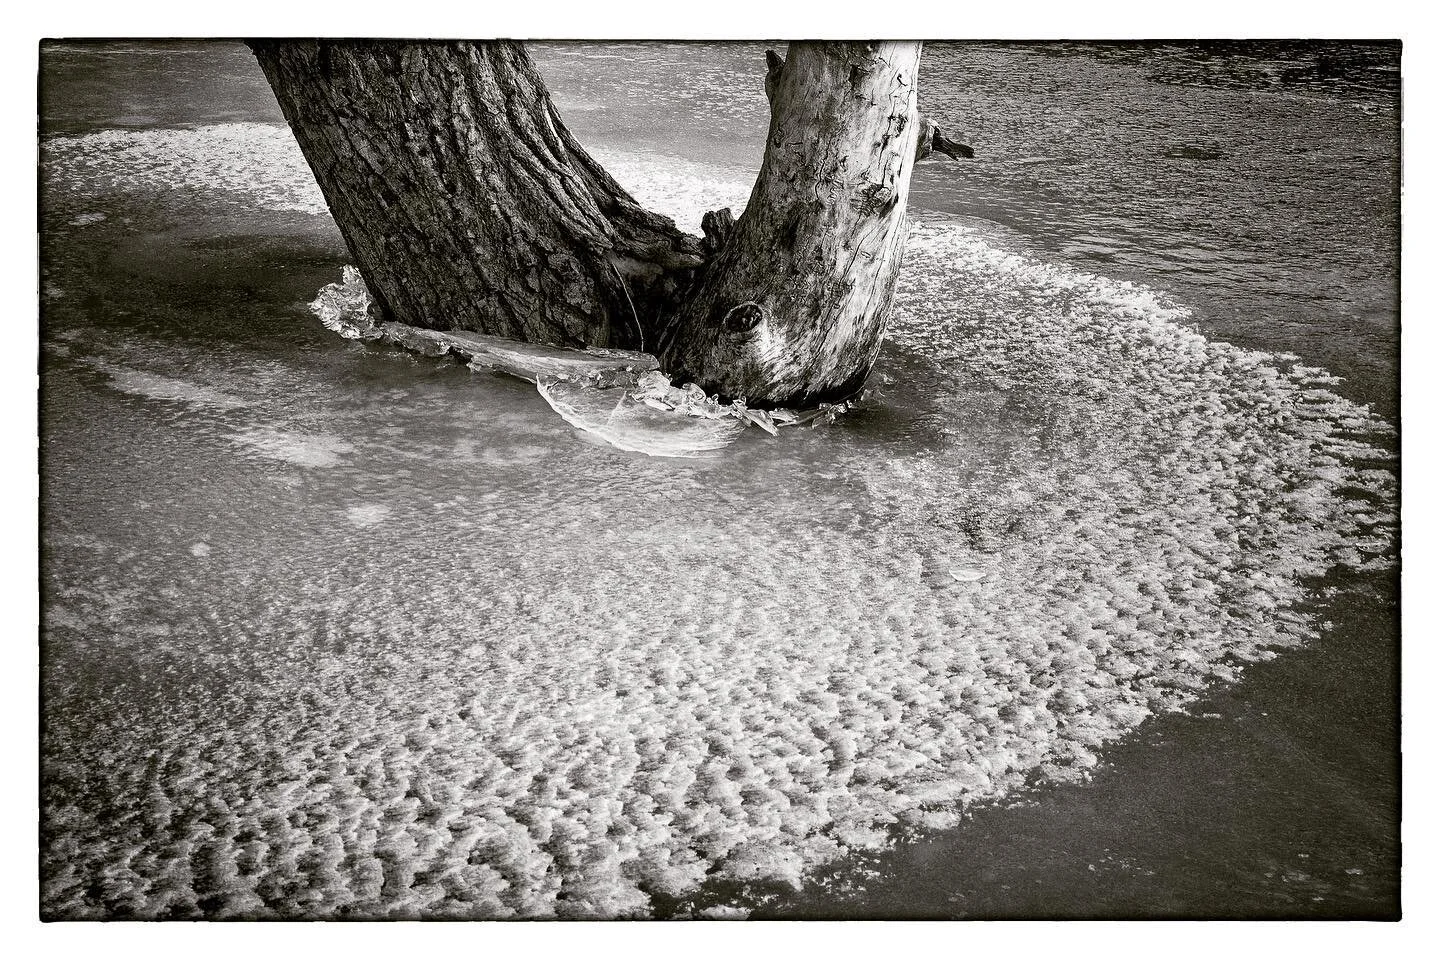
x: 468, y: 205
x: 465, y: 201
x: 793, y: 307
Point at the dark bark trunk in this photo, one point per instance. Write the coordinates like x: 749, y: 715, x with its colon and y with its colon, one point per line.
x: 932, y: 140
x: 468, y: 205
x: 465, y: 201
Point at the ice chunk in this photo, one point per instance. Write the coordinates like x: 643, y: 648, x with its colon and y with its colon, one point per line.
x: 620, y: 420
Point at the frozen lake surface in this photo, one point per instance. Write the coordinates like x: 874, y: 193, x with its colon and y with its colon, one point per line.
x: 334, y: 630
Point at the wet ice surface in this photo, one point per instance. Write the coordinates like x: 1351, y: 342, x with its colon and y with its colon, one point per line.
x: 257, y: 162
x: 333, y: 631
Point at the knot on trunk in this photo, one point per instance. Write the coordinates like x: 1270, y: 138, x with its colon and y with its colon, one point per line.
x: 743, y: 318
x: 717, y: 225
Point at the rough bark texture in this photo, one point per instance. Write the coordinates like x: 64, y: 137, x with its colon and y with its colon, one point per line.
x: 465, y: 201
x: 792, y: 307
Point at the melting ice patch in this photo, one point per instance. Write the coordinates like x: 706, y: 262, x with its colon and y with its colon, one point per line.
x: 573, y: 691
x: 257, y: 162
x: 367, y: 514
x: 146, y: 384
x: 300, y: 449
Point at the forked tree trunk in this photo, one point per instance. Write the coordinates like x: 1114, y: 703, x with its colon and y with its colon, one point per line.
x: 467, y: 204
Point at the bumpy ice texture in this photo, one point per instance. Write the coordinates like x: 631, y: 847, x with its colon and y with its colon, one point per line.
x: 593, y: 680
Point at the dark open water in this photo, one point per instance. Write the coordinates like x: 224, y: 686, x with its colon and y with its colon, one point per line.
x: 332, y: 630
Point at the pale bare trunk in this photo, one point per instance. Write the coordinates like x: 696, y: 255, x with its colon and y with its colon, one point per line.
x: 793, y: 306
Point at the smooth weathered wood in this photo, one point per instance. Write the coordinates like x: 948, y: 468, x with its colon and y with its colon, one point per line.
x: 465, y: 201
x: 792, y: 308
x: 531, y: 361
